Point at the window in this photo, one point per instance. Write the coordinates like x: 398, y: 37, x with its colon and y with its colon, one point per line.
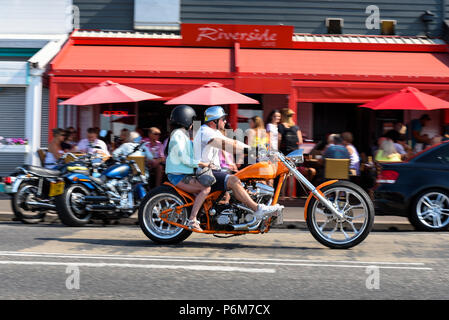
x: 157, y: 14
x: 439, y: 155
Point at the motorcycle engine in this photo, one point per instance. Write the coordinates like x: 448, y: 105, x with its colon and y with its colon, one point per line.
x: 260, y: 192
x: 235, y: 213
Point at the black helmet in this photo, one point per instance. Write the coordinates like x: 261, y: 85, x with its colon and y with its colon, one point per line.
x: 183, y: 115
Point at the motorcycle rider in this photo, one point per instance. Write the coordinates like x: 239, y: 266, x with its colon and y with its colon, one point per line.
x: 208, y: 142
x: 180, y: 163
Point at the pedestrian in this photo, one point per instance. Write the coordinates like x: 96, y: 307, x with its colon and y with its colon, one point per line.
x: 257, y: 138
x: 290, y: 139
x: 156, y: 164
x: 419, y: 140
x: 290, y: 136
x: 273, y: 120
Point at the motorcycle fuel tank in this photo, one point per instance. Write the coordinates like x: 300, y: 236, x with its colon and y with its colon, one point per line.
x: 117, y: 171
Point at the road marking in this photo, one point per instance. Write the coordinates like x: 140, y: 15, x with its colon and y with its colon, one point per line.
x: 251, y: 261
x: 143, y: 266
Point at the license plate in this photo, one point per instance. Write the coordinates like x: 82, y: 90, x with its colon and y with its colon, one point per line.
x: 56, y: 188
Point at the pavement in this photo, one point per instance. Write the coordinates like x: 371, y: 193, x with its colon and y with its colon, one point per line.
x: 293, y: 218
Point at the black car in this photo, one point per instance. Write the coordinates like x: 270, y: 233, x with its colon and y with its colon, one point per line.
x: 417, y: 189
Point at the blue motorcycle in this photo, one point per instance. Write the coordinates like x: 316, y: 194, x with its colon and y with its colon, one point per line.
x: 112, y: 191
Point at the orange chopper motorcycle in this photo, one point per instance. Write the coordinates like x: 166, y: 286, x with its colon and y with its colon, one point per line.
x: 339, y: 214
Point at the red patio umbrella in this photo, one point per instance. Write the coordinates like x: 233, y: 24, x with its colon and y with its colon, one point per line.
x: 408, y: 98
x: 211, y: 94
x: 109, y: 92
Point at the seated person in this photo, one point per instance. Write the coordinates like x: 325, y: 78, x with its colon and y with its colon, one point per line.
x: 387, y: 152
x: 156, y: 164
x: 55, y: 150
x: 336, y: 149
x: 127, y: 148
x: 92, y: 144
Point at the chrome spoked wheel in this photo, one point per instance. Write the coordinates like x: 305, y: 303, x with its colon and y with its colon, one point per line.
x: 432, y: 210
x: 352, y: 227
x: 27, y: 213
x: 152, y: 224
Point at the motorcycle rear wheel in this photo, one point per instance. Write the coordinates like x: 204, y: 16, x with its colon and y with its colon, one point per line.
x: 156, y: 201
x: 346, y: 232
x: 26, y: 191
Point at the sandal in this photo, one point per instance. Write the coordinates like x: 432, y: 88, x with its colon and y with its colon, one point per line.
x: 194, y: 225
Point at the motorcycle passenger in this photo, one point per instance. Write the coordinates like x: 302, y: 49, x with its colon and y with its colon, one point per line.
x: 180, y: 163
x: 208, y: 142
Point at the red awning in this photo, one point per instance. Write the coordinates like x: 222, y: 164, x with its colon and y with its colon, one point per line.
x: 131, y: 61
x: 346, y: 65
x: 316, y: 75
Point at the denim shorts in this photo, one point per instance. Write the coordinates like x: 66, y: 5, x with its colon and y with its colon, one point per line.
x: 174, y: 179
x: 221, y: 181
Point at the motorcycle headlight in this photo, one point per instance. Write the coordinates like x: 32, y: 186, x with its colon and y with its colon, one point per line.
x: 296, y: 156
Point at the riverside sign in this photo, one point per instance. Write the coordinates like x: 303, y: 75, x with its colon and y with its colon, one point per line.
x: 226, y: 35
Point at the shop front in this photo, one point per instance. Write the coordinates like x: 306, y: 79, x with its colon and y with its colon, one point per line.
x: 322, y: 78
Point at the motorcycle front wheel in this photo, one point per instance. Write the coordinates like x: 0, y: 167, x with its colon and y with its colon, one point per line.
x: 70, y: 206
x: 27, y: 192
x: 155, y: 202
x: 356, y: 223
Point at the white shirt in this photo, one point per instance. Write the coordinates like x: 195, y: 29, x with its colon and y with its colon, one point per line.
x: 202, y: 150
x: 272, y: 130
x: 86, y: 146
x: 126, y: 148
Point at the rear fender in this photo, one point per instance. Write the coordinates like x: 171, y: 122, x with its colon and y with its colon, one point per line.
x: 324, y: 184
x: 17, y: 183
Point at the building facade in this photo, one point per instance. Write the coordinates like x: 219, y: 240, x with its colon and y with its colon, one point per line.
x: 359, y: 16
x: 31, y: 33
x: 323, y: 77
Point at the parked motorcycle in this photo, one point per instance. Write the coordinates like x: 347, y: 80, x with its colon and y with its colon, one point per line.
x: 33, y: 188
x: 114, y: 193
x: 339, y: 214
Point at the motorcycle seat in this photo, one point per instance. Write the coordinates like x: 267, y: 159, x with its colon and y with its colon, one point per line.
x: 42, y: 172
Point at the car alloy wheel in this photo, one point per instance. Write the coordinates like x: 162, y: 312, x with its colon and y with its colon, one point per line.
x: 432, y: 210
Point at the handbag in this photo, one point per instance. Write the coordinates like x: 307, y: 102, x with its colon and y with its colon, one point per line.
x: 205, y: 176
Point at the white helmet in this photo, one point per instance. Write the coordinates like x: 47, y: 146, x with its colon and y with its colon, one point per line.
x: 214, y: 113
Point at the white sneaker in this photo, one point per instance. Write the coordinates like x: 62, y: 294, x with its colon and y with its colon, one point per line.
x: 265, y: 211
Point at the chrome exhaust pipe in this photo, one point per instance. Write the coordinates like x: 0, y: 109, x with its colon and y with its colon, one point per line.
x: 250, y: 226
x: 41, y: 204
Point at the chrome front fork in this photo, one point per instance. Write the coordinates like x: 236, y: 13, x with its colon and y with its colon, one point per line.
x: 328, y: 204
